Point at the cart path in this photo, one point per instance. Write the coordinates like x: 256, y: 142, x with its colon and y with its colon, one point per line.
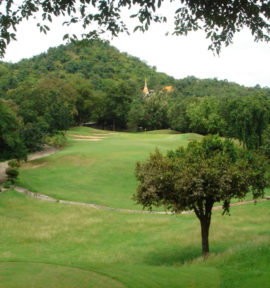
x: 96, y: 206
x: 49, y: 150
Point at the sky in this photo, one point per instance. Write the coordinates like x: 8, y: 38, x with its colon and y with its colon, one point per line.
x: 244, y: 62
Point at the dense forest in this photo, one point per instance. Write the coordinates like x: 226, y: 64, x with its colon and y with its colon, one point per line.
x: 93, y: 82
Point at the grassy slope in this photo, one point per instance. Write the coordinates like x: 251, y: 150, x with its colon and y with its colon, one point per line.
x: 97, y: 172
x: 47, y: 244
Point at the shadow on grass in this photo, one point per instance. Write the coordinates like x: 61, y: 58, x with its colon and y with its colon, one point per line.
x: 173, y: 256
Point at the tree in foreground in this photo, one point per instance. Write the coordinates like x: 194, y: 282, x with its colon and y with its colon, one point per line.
x: 220, y: 19
x: 196, y: 177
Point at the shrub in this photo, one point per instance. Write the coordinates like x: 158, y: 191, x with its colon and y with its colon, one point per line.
x: 7, y: 184
x: 58, y: 140
x: 14, y: 163
x: 12, y: 174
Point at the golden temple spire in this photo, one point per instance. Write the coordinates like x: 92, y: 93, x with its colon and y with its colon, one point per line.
x: 145, y: 89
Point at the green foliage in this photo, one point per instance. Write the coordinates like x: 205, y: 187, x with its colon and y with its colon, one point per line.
x: 136, y: 116
x: 58, y: 140
x: 211, y: 170
x: 246, y: 118
x: 12, y: 174
x: 14, y: 163
x: 7, y: 184
x: 11, y: 144
x: 177, y: 113
x: 204, y: 116
x: 265, y: 148
x: 156, y: 111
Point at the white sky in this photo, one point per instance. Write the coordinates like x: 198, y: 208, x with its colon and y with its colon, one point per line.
x: 244, y: 62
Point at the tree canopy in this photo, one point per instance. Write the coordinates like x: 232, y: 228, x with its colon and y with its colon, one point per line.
x: 11, y: 145
x: 219, y: 19
x: 195, y: 178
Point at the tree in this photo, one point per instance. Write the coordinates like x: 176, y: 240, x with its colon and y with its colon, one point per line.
x: 156, y: 111
x: 197, y: 177
x: 177, y: 112
x: 88, y: 101
x: 135, y: 118
x: 119, y: 95
x: 246, y: 118
x: 11, y: 144
x: 204, y: 117
x: 219, y: 19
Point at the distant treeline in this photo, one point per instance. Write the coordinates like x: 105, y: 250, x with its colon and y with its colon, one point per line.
x: 93, y: 81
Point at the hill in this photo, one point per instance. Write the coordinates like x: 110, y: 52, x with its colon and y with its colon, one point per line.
x: 97, y: 61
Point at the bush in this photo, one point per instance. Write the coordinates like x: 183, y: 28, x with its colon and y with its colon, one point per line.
x: 12, y: 174
x: 58, y: 140
x: 7, y: 184
x: 14, y: 163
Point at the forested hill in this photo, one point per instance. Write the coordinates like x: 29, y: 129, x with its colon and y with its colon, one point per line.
x: 103, y: 65
x: 96, y: 61
x: 93, y: 81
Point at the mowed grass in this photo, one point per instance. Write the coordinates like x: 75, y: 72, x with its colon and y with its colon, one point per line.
x: 46, y: 244
x: 100, y: 172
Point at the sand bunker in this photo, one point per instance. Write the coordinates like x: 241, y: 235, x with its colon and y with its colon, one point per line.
x: 104, y: 134
x: 87, y: 139
x: 77, y: 137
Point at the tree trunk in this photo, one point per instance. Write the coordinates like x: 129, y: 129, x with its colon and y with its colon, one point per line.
x: 205, y: 224
x: 204, y: 211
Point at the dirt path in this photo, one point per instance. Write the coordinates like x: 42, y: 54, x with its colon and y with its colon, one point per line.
x: 3, y: 167
x: 48, y: 150
x: 47, y: 198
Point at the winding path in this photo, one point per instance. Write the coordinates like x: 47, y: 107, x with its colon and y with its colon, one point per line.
x: 48, y: 150
x: 47, y: 198
x: 51, y: 150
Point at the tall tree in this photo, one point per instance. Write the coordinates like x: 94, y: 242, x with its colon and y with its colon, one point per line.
x: 11, y: 144
x: 246, y: 118
x: 204, y: 117
x: 197, y: 177
x: 156, y: 111
x: 118, y: 98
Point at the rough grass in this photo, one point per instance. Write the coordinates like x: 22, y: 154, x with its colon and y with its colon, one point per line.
x: 38, y: 275
x: 47, y: 244
x: 99, y: 172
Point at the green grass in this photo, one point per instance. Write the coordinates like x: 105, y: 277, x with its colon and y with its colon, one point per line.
x: 27, y: 274
x: 99, y: 172
x: 47, y: 244
x: 44, y: 244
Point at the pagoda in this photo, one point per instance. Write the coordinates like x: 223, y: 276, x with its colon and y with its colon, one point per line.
x: 145, y: 89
